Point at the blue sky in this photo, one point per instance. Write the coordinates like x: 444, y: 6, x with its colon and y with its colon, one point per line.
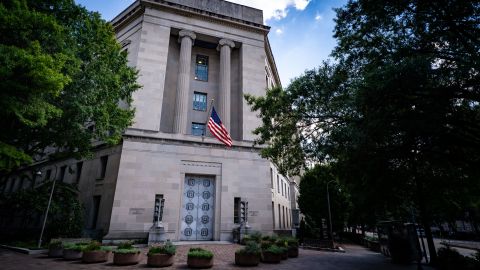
x: 300, y: 36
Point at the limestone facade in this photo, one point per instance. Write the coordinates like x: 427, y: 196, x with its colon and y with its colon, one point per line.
x: 168, y: 42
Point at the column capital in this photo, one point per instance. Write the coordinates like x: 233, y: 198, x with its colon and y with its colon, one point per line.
x: 225, y: 42
x: 186, y: 33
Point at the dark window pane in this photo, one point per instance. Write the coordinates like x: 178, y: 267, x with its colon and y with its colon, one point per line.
x: 198, y: 129
x: 201, y: 68
x: 199, y: 101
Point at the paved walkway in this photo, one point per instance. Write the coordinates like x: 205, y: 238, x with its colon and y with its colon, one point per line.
x: 356, y: 257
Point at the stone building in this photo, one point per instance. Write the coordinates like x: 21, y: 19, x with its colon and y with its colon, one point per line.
x: 190, y: 54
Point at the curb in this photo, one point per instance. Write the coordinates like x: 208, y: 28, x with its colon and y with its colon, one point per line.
x: 25, y: 250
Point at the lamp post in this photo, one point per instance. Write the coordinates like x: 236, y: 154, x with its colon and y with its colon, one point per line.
x: 48, y: 207
x: 329, y: 212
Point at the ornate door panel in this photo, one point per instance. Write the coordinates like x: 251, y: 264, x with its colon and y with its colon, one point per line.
x: 198, y: 208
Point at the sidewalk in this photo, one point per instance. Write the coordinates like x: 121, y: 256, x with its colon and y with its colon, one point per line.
x: 355, y: 258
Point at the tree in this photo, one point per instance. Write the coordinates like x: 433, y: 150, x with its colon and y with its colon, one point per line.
x: 398, y: 113
x: 313, y: 198
x: 62, y: 70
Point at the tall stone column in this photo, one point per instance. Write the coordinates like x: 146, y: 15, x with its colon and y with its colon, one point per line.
x: 186, y: 39
x: 225, y: 47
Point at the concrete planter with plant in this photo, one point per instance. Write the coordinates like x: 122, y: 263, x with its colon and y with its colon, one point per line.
x: 161, y: 256
x: 55, y: 249
x: 126, y: 254
x: 249, y: 255
x: 73, y: 251
x: 96, y: 253
x: 199, y: 258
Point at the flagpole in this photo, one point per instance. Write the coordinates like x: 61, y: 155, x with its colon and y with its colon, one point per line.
x: 208, y: 118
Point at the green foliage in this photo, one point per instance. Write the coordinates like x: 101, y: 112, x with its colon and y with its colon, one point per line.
x: 245, y: 239
x: 66, y: 215
x: 95, y: 246
x: 396, y: 118
x: 313, y: 197
x: 292, y: 242
x: 199, y: 253
x: 251, y: 248
x: 450, y: 259
x: 55, y: 244
x: 127, y: 251
x: 281, y: 242
x: 61, y: 68
x: 167, y: 248
x: 256, y: 236
x: 75, y: 246
x: 274, y: 249
x: 125, y: 245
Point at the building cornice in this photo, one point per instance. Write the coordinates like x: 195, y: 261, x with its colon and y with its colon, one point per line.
x: 138, y: 8
x: 271, y: 62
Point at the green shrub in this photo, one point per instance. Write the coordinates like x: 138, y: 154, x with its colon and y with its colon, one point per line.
x: 450, y: 259
x: 74, y: 246
x: 55, y: 244
x: 256, y: 236
x: 245, y: 239
x: 127, y: 251
x: 281, y: 242
x: 292, y: 242
x: 273, y: 238
x: 265, y: 245
x: 266, y: 238
x: 126, y: 248
x: 200, y: 253
x: 251, y: 248
x: 94, y: 245
x: 125, y: 245
x: 275, y: 250
x: 168, y: 248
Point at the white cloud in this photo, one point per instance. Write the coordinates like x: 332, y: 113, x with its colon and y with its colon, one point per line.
x: 279, y: 31
x: 274, y: 9
x: 318, y: 17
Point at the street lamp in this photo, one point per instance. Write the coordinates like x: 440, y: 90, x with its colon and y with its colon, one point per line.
x: 329, y: 212
x: 48, y: 207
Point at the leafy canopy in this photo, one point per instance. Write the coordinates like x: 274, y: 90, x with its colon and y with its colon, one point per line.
x: 61, y: 70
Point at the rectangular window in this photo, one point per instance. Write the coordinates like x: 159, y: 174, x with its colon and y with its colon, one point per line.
x: 96, y: 208
x: 198, y: 129
x: 271, y: 177
x: 62, y: 173
x: 103, y: 169
x: 278, y: 184
x: 283, y: 185
x: 78, y: 172
x: 201, y: 68
x: 157, y: 207
x: 273, y: 215
x: 283, y: 214
x: 236, y: 210
x: 199, y: 101
x: 279, y: 218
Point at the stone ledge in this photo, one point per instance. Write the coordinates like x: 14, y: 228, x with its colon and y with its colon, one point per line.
x: 25, y: 250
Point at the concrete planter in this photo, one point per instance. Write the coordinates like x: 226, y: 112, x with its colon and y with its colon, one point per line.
x: 70, y: 254
x: 268, y: 257
x: 247, y: 259
x: 95, y: 256
x: 284, y: 255
x: 293, y: 252
x: 126, y: 258
x: 193, y: 262
x: 160, y: 260
x: 55, y: 252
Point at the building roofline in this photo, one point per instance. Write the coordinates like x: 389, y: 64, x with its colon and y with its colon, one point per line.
x: 271, y: 61
x: 133, y: 11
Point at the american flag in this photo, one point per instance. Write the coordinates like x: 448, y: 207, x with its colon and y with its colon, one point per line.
x: 218, y: 129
